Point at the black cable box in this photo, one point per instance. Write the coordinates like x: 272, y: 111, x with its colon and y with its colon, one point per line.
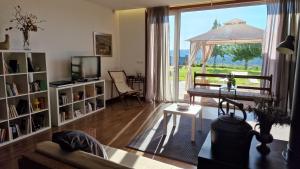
x: 60, y: 83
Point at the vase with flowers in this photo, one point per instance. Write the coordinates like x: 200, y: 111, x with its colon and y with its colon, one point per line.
x: 230, y: 81
x: 25, y: 23
x: 267, y: 114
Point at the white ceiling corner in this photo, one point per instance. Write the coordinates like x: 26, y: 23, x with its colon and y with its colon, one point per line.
x: 132, y: 4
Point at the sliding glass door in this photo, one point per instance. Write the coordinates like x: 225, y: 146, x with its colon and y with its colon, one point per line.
x: 224, y: 57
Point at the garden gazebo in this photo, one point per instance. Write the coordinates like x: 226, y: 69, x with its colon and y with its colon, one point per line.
x: 235, y: 31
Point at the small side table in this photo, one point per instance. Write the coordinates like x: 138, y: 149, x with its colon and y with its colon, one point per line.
x: 140, y: 80
x: 192, y: 112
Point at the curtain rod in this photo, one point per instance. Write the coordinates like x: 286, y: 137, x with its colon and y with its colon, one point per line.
x: 212, y: 4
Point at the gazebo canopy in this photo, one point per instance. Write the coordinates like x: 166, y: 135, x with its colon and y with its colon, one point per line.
x: 233, y: 31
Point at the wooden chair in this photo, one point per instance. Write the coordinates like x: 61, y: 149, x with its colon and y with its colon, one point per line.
x: 119, y: 80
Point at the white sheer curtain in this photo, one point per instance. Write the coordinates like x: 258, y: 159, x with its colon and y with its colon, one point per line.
x: 194, y: 48
x: 157, y: 88
x: 206, y: 50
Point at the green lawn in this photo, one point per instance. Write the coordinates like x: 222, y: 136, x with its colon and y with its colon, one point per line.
x: 223, y: 70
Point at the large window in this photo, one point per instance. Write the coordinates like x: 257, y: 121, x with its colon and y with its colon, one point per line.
x: 236, y: 57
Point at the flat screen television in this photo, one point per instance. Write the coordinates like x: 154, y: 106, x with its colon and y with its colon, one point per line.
x: 85, y: 68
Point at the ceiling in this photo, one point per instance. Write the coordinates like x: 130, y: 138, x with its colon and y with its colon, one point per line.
x: 132, y: 4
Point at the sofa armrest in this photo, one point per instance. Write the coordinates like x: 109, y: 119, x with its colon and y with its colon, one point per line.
x: 39, y: 161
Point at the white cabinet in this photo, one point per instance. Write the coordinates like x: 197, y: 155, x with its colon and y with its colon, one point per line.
x: 74, y: 101
x: 24, y: 96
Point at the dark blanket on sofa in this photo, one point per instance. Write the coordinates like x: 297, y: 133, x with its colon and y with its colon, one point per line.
x: 78, y: 140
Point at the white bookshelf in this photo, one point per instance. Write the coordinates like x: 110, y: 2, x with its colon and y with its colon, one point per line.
x: 75, y: 101
x: 16, y: 81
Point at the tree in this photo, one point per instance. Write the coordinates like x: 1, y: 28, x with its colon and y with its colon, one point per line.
x: 245, y: 52
x: 218, y: 50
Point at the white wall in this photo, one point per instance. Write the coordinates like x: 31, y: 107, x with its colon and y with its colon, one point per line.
x: 68, y: 31
x: 132, y: 40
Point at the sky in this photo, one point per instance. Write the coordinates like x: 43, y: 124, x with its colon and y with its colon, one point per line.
x: 197, y: 22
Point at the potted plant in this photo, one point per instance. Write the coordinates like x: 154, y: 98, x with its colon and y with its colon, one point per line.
x: 230, y: 81
x: 267, y: 114
x: 25, y: 23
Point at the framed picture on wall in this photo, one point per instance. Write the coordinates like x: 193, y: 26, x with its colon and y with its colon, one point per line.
x: 102, y: 44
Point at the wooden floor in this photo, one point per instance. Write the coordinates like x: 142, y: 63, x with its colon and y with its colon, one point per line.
x: 115, y: 126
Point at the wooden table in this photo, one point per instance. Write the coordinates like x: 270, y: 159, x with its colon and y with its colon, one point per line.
x: 274, y: 160
x: 192, y: 112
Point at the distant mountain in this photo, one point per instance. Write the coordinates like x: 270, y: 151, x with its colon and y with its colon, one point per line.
x: 184, y: 53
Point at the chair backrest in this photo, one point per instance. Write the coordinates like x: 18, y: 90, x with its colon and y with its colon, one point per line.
x: 120, y: 81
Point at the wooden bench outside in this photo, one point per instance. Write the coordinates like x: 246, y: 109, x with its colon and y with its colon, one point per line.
x: 202, y: 88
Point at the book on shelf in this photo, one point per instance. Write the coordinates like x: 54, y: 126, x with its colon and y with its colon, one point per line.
x: 13, y: 111
x: 3, y: 135
x: 12, y: 89
x: 15, y: 89
x: 63, y: 99
x: 9, y: 90
x: 62, y: 116
x: 18, y: 129
x: 14, y: 131
x: 30, y: 65
x: 89, y: 106
x: 6, y: 71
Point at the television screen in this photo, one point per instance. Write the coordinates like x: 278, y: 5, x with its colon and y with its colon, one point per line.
x: 85, y: 67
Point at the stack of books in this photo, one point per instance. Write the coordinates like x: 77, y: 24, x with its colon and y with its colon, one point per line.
x: 89, y: 106
x: 18, y: 129
x: 63, y: 99
x: 12, y: 89
x: 3, y: 134
x: 62, y: 116
x: 77, y: 113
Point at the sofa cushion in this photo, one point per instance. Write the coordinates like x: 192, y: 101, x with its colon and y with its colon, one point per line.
x: 78, y: 140
x: 135, y: 161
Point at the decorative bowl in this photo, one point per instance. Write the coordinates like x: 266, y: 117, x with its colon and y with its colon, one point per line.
x: 183, y: 106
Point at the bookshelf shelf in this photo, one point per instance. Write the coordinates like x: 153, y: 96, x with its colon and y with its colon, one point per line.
x: 2, y: 121
x: 20, y: 116
x: 40, y: 72
x: 38, y: 92
x: 39, y: 111
x: 19, y: 95
x: 15, y: 74
x: 17, y: 70
x: 81, y: 101
x: 65, y: 105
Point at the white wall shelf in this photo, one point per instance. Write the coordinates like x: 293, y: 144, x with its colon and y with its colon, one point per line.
x: 76, y: 101
x: 15, y: 90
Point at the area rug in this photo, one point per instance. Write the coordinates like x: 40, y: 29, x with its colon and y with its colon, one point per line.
x: 177, y: 143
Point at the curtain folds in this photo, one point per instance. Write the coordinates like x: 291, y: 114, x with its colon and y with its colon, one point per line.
x: 157, y: 54
x: 281, y: 67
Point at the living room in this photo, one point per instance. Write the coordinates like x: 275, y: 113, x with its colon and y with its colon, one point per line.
x: 131, y: 119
